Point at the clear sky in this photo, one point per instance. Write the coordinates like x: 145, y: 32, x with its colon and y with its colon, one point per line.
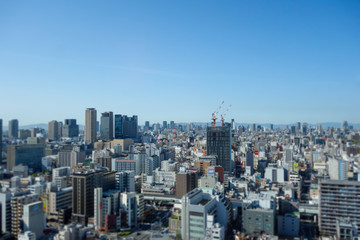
x: 274, y: 61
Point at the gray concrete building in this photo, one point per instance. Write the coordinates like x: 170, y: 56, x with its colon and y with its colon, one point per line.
x: 26, y: 154
x: 13, y: 128
x: 53, y: 130
x: 337, y: 200
x: 218, y: 143
x: 90, y: 125
x: 107, y: 126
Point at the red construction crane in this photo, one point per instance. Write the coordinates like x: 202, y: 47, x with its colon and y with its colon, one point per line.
x: 214, y: 114
x: 224, y: 114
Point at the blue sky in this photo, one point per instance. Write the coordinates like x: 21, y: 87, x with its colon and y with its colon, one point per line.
x: 274, y: 61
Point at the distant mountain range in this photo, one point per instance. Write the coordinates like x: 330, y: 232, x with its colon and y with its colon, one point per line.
x: 40, y: 125
x: 323, y: 124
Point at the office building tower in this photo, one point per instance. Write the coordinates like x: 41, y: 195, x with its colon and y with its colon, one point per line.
x: 338, y: 199
x: 298, y: 126
x: 130, y: 127
x: 34, y: 218
x: 90, y: 125
x: 233, y: 127
x: 304, y: 128
x: 172, y: 124
x: 84, y: 183
x: 64, y: 158
x: 17, y: 210
x: 338, y: 168
x: 13, y: 128
x: 293, y: 130
x: 218, y: 143
x: 129, y: 206
x: 70, y: 128
x: 26, y: 154
x: 125, y: 181
x: 345, y: 126
x: 53, y: 130
x: 34, y: 131
x: 98, y: 204
x: 60, y: 128
x: 185, y: 182
x: 107, y: 126
x: 24, y: 134
x: 165, y: 125
x: 271, y: 126
x: 1, y: 140
x: 147, y: 126
x: 201, y: 212
x: 126, y: 127
x: 250, y: 160
x: 118, y: 130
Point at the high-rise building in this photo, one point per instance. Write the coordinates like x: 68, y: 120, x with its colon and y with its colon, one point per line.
x: 118, y: 130
x: 53, y: 129
x: 125, y: 181
x: 130, y: 127
x: 90, y: 125
x: 98, y: 205
x: 338, y: 199
x: 185, y: 182
x: 233, y: 127
x: 126, y: 127
x: 172, y: 124
x: 70, y: 129
x: 165, y: 125
x: 60, y: 128
x: 17, y: 210
x: 218, y: 143
x: 26, y: 154
x: 338, y: 168
x: 84, y: 184
x: 129, y: 205
x: 200, y: 211
x: 34, y: 218
x: 147, y: 126
x: 13, y: 128
x: 107, y: 126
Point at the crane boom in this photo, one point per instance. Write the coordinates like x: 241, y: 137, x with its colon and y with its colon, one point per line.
x: 214, y: 114
x: 224, y: 114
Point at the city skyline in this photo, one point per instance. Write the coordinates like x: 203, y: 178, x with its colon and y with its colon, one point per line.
x: 274, y: 62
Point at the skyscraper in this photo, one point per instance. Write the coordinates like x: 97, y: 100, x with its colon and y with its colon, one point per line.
x: 90, y: 125
x: 84, y: 184
x: 218, y: 142
x: 172, y: 124
x: 147, y: 126
x: 13, y: 128
x: 338, y: 199
x: 130, y: 126
x: 70, y: 128
x: 118, y: 132
x: 98, y: 213
x: 53, y: 129
x: 106, y: 126
x: 126, y: 127
x: 165, y: 125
